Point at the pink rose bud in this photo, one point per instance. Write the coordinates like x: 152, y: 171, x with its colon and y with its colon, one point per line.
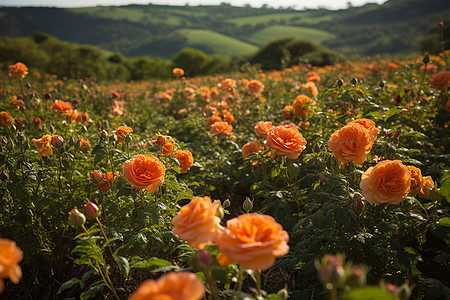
x: 57, y: 141
x: 91, y: 210
x: 97, y: 176
x: 202, y: 260
x: 76, y: 218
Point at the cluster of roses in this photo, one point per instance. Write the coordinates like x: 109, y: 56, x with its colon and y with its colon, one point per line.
x: 251, y: 240
x: 46, y: 143
x: 66, y: 108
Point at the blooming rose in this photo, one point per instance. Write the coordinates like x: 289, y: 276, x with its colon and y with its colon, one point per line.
x: 10, y: 256
x: 287, y: 112
x: 302, y: 105
x: 253, y: 241
x: 369, y: 125
x: 144, y: 171
x: 262, y: 128
x: 222, y: 129
x: 311, y: 88
x: 5, y: 119
x: 251, y: 147
x: 440, y: 80
x: 189, y: 93
x: 44, y: 145
x: 255, y: 87
x: 117, y: 108
x: 185, y: 159
x: 197, y: 222
x: 416, y: 180
x: 228, y: 117
x: 121, y: 132
x: 227, y: 84
x: 166, y: 142
x: 62, y: 107
x: 171, y: 286
x: 178, y: 72
x: 213, y: 119
x: 285, y: 141
x: 18, y: 70
x: 388, y: 182
x: 351, y: 143
x: 427, y: 183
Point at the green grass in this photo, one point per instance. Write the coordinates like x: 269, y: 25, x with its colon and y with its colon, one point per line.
x: 271, y: 33
x: 299, y: 17
x: 221, y: 44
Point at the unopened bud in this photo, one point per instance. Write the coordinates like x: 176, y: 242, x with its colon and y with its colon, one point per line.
x: 403, y: 292
x: 247, y: 205
x: 128, y: 139
x: 382, y: 84
x: 91, y: 210
x: 76, y: 218
x: 226, y: 203
x: 357, y: 276
x: 426, y: 59
x: 354, y: 81
x: 202, y: 260
x: 83, y: 129
x: 340, y: 82
x: 220, y: 212
x: 57, y: 141
x: 97, y: 176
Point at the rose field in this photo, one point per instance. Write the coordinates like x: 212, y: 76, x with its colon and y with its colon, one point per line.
x: 305, y: 183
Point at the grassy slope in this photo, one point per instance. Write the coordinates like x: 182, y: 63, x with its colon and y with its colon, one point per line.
x: 271, y: 33
x: 298, y: 17
x: 222, y: 44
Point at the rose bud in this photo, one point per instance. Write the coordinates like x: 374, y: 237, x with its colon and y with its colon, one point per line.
x: 202, y: 260
x: 91, y: 210
x: 247, y: 205
x: 97, y: 176
x: 76, y: 218
x: 57, y: 141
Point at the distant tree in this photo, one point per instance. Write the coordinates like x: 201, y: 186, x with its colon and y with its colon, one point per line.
x: 193, y: 61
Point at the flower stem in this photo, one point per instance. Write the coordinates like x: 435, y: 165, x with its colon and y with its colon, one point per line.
x: 258, y: 283
x: 212, y: 285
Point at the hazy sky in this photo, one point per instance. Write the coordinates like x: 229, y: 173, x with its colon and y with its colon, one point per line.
x: 297, y: 4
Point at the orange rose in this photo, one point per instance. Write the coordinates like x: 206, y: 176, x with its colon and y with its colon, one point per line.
x: 255, y: 87
x: 228, y: 117
x: 302, y: 105
x: 285, y: 141
x: 388, y: 182
x: 62, y: 107
x: 10, y: 256
x: 18, y: 70
x: 144, y: 171
x: 222, y: 129
x: 440, y: 80
x: 204, y: 93
x: 369, y: 125
x: 197, y: 222
x: 427, y: 183
x: 44, y: 145
x: 312, y: 76
x: 107, y: 181
x: 117, y: 108
x: 227, y: 84
x: 251, y: 147
x: 5, y: 119
x: 416, y: 180
x: 311, y: 88
x: 166, y: 142
x: 185, y: 158
x: 287, y: 112
x: 213, y: 119
x: 253, y: 241
x: 171, y: 286
x: 351, y: 143
x: 121, y: 132
x: 189, y: 93
x: 178, y: 72
x: 164, y: 96
x: 262, y: 128
x: 82, y: 144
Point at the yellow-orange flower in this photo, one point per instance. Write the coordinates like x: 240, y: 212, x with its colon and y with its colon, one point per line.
x: 5, y: 119
x: 185, y: 159
x: 44, y: 145
x: 369, y: 125
x: 416, y: 180
x: 189, y: 93
x: 251, y: 147
x: 171, y: 286
x: 144, y: 171
x: 62, y: 107
x: 286, y: 141
x: 10, y: 256
x: 302, y: 105
x: 121, y: 132
x: 166, y: 142
x: 227, y: 84
x: 213, y: 119
x: 108, y: 180
x: 253, y: 241
x: 197, y: 222
x: 255, y: 87
x: 351, y: 143
x: 83, y: 144
x: 288, y: 112
x: 18, y: 70
x: 178, y: 72
x: 222, y: 129
x: 440, y: 80
x: 262, y: 128
x: 427, y: 183
x: 311, y: 88
x: 388, y: 182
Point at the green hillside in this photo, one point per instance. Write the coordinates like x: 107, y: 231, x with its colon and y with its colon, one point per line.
x: 218, y: 43
x: 271, y: 33
x: 297, y: 17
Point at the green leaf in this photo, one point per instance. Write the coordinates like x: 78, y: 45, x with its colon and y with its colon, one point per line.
x: 444, y: 221
x: 293, y: 170
x: 92, y: 291
x: 393, y: 112
x: 124, y: 267
x: 275, y: 171
x: 68, y: 284
x: 368, y: 293
x: 376, y: 115
x: 152, y: 262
